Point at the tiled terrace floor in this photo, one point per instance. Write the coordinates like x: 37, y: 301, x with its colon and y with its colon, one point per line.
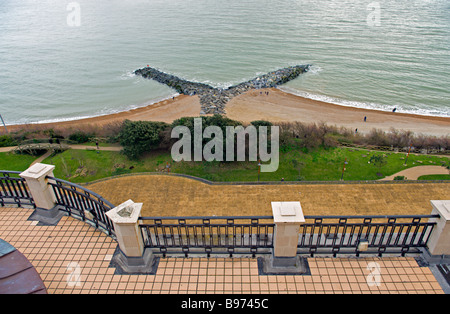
x: 73, y: 257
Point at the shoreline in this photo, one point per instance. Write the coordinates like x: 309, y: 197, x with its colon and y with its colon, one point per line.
x: 278, y: 106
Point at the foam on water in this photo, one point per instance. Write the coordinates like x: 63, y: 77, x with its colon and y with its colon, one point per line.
x: 423, y: 111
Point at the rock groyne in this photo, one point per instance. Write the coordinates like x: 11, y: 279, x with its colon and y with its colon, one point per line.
x: 212, y: 99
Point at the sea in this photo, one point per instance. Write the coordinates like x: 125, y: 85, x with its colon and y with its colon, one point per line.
x: 62, y: 60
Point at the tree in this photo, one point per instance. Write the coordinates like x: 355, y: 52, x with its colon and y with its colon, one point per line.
x: 206, y: 121
x: 138, y: 137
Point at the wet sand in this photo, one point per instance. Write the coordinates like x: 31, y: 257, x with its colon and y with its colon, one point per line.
x: 278, y: 106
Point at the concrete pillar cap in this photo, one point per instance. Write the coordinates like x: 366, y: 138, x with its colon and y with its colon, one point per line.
x: 442, y: 207
x: 37, y: 171
x: 287, y: 212
x: 126, y: 213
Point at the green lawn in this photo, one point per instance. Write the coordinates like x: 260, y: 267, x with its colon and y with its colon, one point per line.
x: 314, y: 165
x: 11, y: 161
x: 435, y: 177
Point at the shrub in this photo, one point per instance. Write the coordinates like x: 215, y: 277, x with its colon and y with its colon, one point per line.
x: 138, y: 137
x: 377, y: 137
x: 259, y: 123
x: 216, y: 120
x: 7, y: 140
x: 330, y: 140
x: 378, y: 160
x: 80, y: 137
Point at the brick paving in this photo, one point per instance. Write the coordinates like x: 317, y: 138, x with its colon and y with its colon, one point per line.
x: 74, y: 258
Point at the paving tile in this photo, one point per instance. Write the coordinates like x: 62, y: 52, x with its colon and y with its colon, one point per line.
x: 52, y: 249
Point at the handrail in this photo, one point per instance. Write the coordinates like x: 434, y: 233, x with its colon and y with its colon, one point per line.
x: 13, y: 190
x: 372, y: 216
x: 83, y: 189
x: 306, y: 217
x: 205, y: 217
x: 10, y: 171
x: 79, y: 201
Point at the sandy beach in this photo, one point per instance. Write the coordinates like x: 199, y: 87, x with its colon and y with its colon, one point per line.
x: 277, y: 106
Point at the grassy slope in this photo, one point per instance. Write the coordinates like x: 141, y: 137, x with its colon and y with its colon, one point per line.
x: 319, y: 164
x: 10, y: 161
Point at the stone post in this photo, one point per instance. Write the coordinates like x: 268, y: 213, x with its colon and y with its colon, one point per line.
x: 42, y: 193
x: 38, y: 184
x: 287, y: 216
x: 439, y: 240
x: 132, y: 256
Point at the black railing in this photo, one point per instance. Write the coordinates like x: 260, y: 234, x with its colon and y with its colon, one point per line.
x: 82, y: 203
x: 210, y: 235
x: 14, y: 190
x: 330, y: 235
x: 367, y: 235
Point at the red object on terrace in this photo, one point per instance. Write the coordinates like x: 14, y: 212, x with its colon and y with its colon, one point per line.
x: 17, y: 274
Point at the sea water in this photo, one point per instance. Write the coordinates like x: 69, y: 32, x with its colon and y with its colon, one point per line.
x: 62, y: 60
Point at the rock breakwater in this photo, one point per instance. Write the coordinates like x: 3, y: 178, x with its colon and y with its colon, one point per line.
x: 213, y: 100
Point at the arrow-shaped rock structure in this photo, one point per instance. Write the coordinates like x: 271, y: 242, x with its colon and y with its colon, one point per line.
x: 212, y: 99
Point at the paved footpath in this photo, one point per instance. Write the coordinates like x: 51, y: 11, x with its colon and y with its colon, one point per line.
x: 415, y: 172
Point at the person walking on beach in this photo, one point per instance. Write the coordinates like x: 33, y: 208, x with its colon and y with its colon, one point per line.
x: 365, y: 118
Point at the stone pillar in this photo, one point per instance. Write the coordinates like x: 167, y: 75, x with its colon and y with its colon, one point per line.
x: 439, y: 240
x: 132, y: 256
x: 36, y: 177
x: 38, y: 185
x: 287, y: 216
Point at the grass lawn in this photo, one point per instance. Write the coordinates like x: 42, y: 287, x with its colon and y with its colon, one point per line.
x: 11, y: 161
x: 313, y: 165
x: 435, y: 177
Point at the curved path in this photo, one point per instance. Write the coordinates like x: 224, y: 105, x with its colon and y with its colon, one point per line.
x: 415, y: 172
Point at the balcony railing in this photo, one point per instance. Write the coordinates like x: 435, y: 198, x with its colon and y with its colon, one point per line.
x: 319, y: 235
x: 82, y: 203
x: 210, y: 235
x: 14, y: 190
x: 364, y: 234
